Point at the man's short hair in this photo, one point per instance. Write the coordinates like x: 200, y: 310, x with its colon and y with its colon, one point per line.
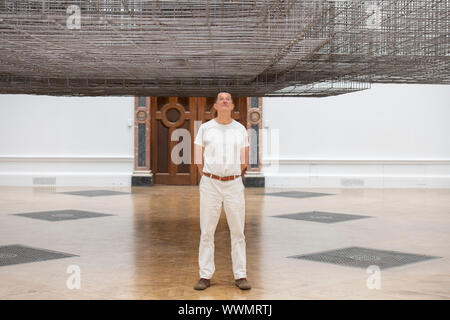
x: 217, y: 96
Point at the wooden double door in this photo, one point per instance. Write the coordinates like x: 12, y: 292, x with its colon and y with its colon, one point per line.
x: 172, y: 150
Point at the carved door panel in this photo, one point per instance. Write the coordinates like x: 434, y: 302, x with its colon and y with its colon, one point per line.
x: 207, y: 112
x: 171, y: 113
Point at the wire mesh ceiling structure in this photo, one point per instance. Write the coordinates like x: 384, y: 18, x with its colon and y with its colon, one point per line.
x: 197, y: 48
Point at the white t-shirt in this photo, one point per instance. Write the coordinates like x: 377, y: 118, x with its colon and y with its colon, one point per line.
x: 223, y: 143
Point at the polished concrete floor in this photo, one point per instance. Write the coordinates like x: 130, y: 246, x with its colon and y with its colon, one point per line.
x: 147, y: 248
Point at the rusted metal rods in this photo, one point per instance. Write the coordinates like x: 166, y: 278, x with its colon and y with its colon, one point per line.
x: 256, y: 48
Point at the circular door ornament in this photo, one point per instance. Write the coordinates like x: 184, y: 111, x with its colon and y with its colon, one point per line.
x: 141, y: 115
x: 173, y: 114
x: 255, y: 117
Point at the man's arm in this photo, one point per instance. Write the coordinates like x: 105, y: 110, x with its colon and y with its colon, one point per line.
x: 244, y: 159
x: 198, y: 157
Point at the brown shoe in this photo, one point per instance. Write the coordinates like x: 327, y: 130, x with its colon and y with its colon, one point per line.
x: 243, y: 284
x: 202, y: 284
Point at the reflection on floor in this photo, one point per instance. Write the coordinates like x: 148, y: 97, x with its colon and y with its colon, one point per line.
x: 146, y: 248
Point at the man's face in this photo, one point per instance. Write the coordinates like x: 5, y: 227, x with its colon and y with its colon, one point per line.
x: 224, y: 102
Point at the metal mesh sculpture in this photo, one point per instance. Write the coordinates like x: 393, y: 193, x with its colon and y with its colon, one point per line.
x: 196, y: 48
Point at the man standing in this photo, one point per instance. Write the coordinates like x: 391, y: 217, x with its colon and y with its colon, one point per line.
x: 221, y: 154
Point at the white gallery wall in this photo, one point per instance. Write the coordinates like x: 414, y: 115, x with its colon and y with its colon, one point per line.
x: 65, y: 141
x: 386, y: 137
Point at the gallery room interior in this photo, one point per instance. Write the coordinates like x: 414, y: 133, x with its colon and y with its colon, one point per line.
x: 346, y: 105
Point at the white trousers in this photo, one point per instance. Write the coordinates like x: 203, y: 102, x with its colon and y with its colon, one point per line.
x: 212, y: 193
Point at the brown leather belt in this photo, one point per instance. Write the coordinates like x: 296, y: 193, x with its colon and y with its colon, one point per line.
x: 221, y: 178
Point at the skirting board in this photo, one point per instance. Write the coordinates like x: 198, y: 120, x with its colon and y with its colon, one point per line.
x: 112, y: 179
x: 275, y: 181
x: 296, y: 181
x: 356, y: 173
x: 66, y: 170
